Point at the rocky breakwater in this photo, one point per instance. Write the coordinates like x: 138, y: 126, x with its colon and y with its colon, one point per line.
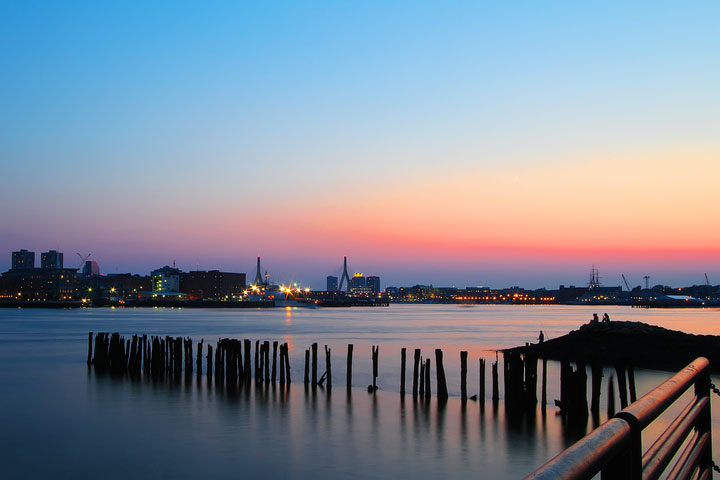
x: 630, y: 343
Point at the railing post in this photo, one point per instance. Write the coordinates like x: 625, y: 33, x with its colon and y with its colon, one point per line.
x: 631, y: 459
x: 619, y: 468
x: 702, y: 389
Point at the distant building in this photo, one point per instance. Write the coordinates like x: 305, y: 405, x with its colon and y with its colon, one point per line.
x: 91, y: 268
x: 23, y: 259
x: 392, y: 293
x: 373, y: 284
x: 213, y: 284
x: 165, y: 280
x: 358, y: 286
x: 40, y: 284
x: 357, y: 282
x: 51, y: 259
x: 571, y: 293
x: 332, y: 283
x: 121, y: 284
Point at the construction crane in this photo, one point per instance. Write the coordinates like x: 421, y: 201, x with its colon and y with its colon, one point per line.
x: 83, y: 259
x: 707, y: 281
x: 626, y: 282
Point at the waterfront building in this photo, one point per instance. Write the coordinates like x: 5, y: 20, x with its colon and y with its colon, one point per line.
x: 23, y: 259
x: 332, y: 283
x: 40, y: 284
x: 373, y: 284
x: 165, y: 280
x: 115, y: 285
x: 51, y: 259
x: 392, y: 293
x: 213, y: 284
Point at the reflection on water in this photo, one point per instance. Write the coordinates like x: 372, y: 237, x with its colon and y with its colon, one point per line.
x: 81, y: 424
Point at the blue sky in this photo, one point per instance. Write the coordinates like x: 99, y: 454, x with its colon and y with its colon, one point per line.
x: 122, y: 121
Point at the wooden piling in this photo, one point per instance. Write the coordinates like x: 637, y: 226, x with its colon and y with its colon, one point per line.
x: 178, y: 356
x: 258, y: 370
x: 631, y: 383
x: 422, y: 378
x: 416, y: 361
x: 247, y: 369
x: 348, y: 376
x: 595, y: 387
x: 130, y: 365
x: 189, y: 357
x: 580, y: 395
x: 287, y: 363
x: 229, y: 362
x: 611, y: 397
x: 199, y: 358
x: 495, y: 393
x: 375, y: 354
x: 403, y: 353
x: 166, y: 354
x: 90, y: 338
x: 307, y: 366
x: 144, y: 353
x: 328, y: 368
x: 266, y: 348
x: 481, y: 394
x: 314, y: 347
x: 209, y: 361
x: 531, y: 361
x: 218, y: 364
x: 238, y: 355
x: 282, y: 366
x: 463, y: 375
x: 543, y: 401
x: 427, y: 380
x: 622, y: 384
x: 274, y: 362
x: 442, y: 392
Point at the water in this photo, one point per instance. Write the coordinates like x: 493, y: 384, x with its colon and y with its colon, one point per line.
x: 59, y: 419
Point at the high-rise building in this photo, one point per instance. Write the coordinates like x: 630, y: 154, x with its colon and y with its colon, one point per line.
x: 357, y: 282
x: 90, y: 268
x: 332, y: 283
x: 373, y: 283
x: 23, y: 259
x: 51, y: 259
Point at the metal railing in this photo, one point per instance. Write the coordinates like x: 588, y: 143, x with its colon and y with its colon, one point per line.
x: 615, y: 448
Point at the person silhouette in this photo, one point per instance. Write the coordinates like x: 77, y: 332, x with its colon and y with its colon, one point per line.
x: 541, y: 337
x: 606, y: 318
x: 595, y: 318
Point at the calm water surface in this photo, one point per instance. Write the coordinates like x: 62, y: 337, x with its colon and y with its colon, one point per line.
x: 59, y: 419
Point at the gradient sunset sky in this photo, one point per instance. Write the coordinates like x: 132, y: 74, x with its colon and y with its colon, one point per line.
x: 444, y: 143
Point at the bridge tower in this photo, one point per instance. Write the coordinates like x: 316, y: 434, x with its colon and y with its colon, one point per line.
x: 345, y: 277
x: 258, y: 277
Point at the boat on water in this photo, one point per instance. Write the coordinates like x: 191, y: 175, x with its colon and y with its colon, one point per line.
x: 282, y: 296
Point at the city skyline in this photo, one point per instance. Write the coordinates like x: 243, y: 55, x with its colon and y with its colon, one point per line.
x: 306, y: 280
x: 478, y: 143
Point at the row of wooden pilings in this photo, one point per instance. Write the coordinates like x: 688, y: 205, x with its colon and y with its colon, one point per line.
x: 231, y: 359
x: 171, y: 356
x: 573, y: 388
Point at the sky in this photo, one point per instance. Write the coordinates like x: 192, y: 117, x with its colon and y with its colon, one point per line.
x: 444, y: 143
